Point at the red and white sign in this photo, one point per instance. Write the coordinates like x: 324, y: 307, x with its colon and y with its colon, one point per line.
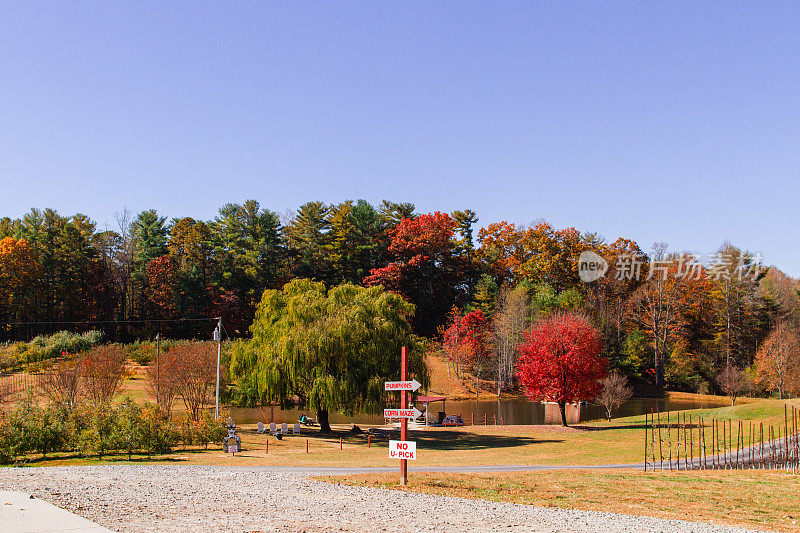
x: 403, y: 449
x: 402, y: 413
x: 402, y: 385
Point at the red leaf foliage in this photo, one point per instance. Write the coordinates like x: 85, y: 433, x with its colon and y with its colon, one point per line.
x: 422, y: 241
x: 468, y: 339
x: 560, y: 360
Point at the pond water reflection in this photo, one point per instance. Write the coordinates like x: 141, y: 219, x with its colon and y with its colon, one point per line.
x: 519, y: 412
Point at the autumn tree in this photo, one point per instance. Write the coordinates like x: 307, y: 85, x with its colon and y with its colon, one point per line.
x: 426, y: 269
x: 733, y: 277
x: 780, y: 295
x: 656, y: 305
x: 551, y: 256
x: 560, y: 361
x: 162, y: 285
x: 122, y: 260
x: 734, y: 382
x: 511, y: 319
x: 61, y: 381
x: 195, y: 367
x: 614, y: 391
x: 467, y: 342
x: 190, y: 246
x: 102, y: 370
x: 20, y: 273
x: 327, y: 350
x: 778, y: 360
x: 164, y: 378
x: 501, y: 251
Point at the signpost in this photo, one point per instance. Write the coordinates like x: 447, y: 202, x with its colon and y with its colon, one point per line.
x: 402, y: 385
x: 402, y: 413
x: 403, y: 449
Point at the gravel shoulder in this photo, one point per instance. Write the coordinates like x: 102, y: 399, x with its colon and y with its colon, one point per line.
x: 170, y: 498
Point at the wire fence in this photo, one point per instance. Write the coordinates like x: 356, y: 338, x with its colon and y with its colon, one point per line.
x: 14, y: 386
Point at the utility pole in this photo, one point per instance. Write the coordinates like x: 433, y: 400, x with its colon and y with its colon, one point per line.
x: 158, y: 369
x: 218, y: 338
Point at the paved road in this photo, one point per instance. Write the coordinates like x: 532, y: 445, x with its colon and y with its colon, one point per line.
x: 19, y: 513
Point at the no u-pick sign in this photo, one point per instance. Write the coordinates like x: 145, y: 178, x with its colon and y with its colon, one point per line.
x: 403, y: 449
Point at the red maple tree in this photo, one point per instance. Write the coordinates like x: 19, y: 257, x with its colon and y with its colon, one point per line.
x: 424, y: 269
x: 467, y: 340
x: 560, y: 361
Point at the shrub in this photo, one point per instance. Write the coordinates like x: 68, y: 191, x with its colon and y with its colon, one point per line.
x: 129, y: 426
x: 157, y: 435
x: 102, y: 370
x: 47, y: 347
x: 100, y: 436
x: 143, y: 352
x: 61, y: 381
x: 44, y: 347
x: 209, y: 430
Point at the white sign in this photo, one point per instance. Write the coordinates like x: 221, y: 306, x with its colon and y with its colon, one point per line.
x: 403, y: 449
x: 402, y: 413
x: 402, y: 385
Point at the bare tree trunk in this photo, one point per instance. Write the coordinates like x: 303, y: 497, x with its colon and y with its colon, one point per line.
x: 562, y: 406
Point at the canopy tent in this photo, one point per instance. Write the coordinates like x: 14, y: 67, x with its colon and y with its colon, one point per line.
x: 425, y: 400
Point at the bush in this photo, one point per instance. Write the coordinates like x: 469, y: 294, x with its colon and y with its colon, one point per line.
x: 100, y: 430
x: 44, y: 347
x: 143, y: 352
x: 158, y: 434
x: 31, y: 428
x: 210, y: 431
x: 100, y: 436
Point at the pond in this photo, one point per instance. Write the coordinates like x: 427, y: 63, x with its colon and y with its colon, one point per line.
x: 517, y: 412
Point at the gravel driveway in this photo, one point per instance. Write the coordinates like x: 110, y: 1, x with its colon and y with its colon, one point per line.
x: 212, y: 498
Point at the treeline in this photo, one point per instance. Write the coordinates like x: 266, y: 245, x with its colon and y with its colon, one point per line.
x: 659, y: 325
x: 56, y: 268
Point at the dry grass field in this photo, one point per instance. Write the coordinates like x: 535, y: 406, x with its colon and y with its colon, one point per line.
x: 757, y: 499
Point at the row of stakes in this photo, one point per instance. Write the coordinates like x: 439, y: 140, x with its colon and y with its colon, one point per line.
x: 755, y: 446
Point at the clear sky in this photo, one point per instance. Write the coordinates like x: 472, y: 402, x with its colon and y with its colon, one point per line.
x: 658, y: 121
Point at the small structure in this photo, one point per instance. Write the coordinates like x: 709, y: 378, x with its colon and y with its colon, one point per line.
x: 231, y: 443
x: 425, y: 400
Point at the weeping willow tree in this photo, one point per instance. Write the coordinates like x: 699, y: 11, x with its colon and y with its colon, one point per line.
x: 327, y: 351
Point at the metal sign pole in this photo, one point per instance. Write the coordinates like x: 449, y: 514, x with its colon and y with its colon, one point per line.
x: 403, y: 405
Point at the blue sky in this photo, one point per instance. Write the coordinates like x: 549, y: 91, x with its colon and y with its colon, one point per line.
x: 669, y: 121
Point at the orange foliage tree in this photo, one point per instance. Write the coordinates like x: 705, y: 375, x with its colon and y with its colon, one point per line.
x: 20, y: 273
x: 778, y: 360
x: 102, y: 369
